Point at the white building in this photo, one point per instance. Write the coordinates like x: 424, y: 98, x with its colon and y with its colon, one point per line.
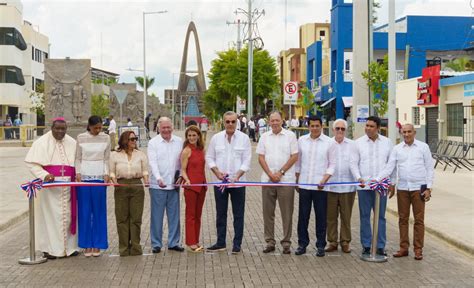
x: 22, y: 52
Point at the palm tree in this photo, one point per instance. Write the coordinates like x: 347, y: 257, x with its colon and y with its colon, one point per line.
x: 149, y: 82
x: 460, y: 64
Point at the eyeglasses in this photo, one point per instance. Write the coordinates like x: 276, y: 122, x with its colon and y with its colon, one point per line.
x: 133, y: 139
x: 230, y: 122
x: 340, y: 129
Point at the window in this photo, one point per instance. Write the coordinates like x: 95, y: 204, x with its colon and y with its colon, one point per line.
x: 347, y: 65
x: 32, y: 52
x: 322, y: 33
x: 455, y: 119
x: 11, y: 36
x: 415, y: 115
x: 398, y: 116
x: 39, y: 82
x: 33, y: 83
x: 11, y: 74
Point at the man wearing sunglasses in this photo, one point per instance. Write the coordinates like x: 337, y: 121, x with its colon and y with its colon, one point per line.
x: 340, y: 198
x: 228, y: 156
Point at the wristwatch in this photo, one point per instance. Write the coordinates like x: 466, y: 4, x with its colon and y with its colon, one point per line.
x: 282, y: 172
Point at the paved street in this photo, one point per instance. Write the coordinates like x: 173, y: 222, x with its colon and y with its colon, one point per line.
x: 443, y: 266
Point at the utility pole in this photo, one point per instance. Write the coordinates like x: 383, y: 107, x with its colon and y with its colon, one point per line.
x: 392, y: 72
x: 239, y: 47
x: 252, y: 19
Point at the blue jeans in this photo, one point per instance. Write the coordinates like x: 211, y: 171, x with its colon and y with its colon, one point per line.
x: 308, y: 199
x: 366, y: 205
x: 162, y: 200
x: 92, y: 216
x: 237, y: 197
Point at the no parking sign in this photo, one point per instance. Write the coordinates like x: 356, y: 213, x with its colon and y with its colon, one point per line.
x: 291, y: 93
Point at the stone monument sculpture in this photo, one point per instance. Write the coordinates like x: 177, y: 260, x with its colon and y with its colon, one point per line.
x: 67, y: 90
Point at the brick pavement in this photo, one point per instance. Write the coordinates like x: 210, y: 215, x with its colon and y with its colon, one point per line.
x: 443, y: 266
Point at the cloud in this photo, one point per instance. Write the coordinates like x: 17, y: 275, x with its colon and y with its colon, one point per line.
x: 110, y: 32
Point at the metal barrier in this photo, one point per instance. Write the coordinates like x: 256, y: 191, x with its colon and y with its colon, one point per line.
x: 22, y: 133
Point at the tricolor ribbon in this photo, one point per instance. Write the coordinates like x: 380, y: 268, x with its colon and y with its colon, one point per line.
x: 225, y: 180
x: 31, y: 187
x: 380, y: 186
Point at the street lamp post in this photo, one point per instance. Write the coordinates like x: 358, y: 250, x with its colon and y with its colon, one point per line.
x: 145, y: 93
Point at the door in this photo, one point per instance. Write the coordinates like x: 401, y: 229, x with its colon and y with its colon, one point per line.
x: 431, y: 125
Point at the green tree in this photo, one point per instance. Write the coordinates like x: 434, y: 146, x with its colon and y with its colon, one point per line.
x: 376, y: 79
x: 149, y: 82
x: 100, y: 105
x: 460, y: 64
x: 228, y: 78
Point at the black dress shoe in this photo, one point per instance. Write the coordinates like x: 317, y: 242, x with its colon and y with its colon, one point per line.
x: 216, y: 248
x: 156, y: 250
x: 269, y: 249
x: 381, y: 252
x: 176, y: 248
x: 286, y: 250
x: 320, y: 252
x: 300, y: 250
x: 75, y: 253
x: 236, y: 250
x: 49, y: 256
x: 366, y: 251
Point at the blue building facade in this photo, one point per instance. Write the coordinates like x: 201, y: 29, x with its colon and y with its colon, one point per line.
x: 425, y: 37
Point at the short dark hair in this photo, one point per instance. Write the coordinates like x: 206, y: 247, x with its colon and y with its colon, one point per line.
x: 58, y: 121
x: 93, y: 120
x: 375, y: 119
x: 315, y: 118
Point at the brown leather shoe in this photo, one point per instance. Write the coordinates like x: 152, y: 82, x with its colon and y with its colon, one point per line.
x: 400, y: 253
x: 269, y: 249
x: 419, y: 255
x: 331, y: 248
x: 286, y: 250
x: 346, y: 248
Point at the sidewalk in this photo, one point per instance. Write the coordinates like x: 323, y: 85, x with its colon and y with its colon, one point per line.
x: 443, y: 266
x: 450, y: 212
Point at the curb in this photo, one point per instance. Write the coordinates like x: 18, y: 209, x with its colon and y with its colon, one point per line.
x: 441, y: 235
x: 15, y: 220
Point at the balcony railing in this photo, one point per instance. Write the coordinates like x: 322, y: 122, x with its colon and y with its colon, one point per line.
x: 348, y: 75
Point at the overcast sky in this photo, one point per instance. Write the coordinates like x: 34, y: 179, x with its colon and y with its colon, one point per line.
x: 77, y: 29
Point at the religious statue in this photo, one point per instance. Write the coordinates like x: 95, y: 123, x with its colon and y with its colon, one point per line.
x: 56, y: 102
x: 78, y: 98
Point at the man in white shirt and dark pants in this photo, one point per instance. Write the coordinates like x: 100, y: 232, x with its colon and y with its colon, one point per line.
x: 164, y: 151
x: 414, y: 164
x: 370, y: 158
x: 229, y: 155
x: 315, y: 166
x: 112, y: 132
x: 277, y: 151
x: 340, y: 198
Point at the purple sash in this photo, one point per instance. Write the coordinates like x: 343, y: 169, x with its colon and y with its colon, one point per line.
x: 71, y: 172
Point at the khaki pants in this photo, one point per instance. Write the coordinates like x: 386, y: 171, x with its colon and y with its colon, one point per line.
x: 285, y: 197
x: 129, y: 201
x: 404, y: 200
x: 113, y: 143
x: 339, y: 205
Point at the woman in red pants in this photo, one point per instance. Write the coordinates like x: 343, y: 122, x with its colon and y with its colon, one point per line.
x: 192, y: 171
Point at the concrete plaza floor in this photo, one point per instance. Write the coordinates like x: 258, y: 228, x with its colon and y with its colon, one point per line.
x: 450, y: 212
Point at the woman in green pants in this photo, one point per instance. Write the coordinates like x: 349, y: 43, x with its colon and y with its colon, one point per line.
x: 129, y: 166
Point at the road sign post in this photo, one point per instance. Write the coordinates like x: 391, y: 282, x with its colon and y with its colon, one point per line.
x: 291, y: 94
